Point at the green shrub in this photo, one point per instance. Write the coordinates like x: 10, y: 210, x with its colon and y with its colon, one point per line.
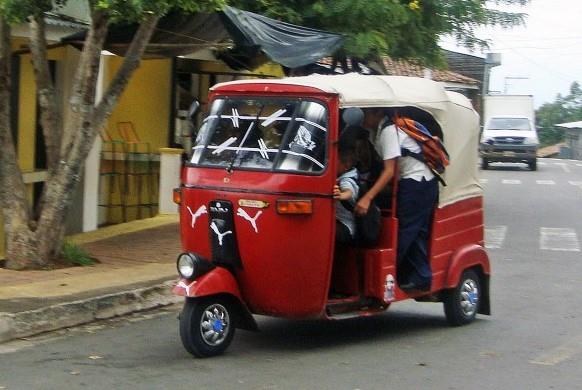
x: 75, y: 255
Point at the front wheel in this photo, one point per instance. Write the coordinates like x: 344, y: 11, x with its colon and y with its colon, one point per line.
x: 484, y: 163
x: 462, y: 302
x: 533, y: 165
x: 206, y: 326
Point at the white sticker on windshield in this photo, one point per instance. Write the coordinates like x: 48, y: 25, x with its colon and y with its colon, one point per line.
x: 253, y: 220
x: 273, y: 117
x: 234, y: 118
x: 303, y: 139
x: 264, y: 149
x: 220, y: 148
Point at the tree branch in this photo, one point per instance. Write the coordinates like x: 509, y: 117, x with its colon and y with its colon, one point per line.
x: 45, y: 92
x: 84, y: 84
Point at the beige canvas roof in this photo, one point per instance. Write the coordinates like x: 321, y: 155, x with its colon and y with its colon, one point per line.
x: 453, y: 112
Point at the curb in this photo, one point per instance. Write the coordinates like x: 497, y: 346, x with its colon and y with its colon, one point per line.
x: 64, y: 315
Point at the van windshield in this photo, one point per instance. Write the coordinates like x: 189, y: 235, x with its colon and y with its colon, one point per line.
x: 263, y: 134
x: 509, y: 124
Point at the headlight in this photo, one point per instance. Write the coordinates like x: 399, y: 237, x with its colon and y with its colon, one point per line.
x: 186, y: 265
x: 531, y: 141
x: 488, y: 140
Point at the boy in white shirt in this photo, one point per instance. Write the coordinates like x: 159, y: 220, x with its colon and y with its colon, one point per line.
x: 417, y: 197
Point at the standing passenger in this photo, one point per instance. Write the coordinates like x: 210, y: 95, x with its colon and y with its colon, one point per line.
x: 417, y: 197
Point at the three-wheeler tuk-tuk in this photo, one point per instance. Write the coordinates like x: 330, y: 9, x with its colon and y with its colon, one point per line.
x: 257, y: 213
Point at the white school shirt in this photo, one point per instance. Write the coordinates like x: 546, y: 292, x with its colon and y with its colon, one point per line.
x: 388, y: 140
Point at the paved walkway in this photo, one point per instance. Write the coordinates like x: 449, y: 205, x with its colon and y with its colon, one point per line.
x: 132, y: 256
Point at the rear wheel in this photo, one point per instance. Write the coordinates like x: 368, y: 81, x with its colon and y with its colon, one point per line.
x: 206, y: 326
x: 484, y: 163
x: 533, y: 165
x: 461, y: 303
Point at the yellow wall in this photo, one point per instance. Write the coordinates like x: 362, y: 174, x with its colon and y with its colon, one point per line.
x: 145, y: 102
x: 26, y: 115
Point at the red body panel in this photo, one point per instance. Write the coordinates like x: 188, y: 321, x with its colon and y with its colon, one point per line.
x: 456, y: 228
x: 456, y: 244
x: 286, y: 262
x: 217, y: 281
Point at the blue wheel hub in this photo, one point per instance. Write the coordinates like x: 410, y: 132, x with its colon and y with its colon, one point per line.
x: 217, y: 325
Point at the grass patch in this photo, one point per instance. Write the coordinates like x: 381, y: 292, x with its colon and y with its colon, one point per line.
x: 73, y: 254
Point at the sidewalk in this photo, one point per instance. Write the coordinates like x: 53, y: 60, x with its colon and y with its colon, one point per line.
x: 135, y: 272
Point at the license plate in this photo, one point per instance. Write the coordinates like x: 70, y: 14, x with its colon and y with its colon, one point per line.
x: 509, y: 154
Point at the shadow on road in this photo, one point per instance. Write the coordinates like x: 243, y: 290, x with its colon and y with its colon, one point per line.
x: 295, y: 335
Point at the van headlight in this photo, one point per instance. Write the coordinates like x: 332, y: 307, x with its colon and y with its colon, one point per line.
x: 531, y: 141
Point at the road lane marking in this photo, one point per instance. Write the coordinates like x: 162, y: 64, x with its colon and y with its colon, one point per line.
x: 559, y: 239
x: 576, y: 183
x: 509, y: 181
x: 494, y: 236
x: 542, y: 163
x: 483, y: 181
x: 547, y: 182
x: 579, y: 165
x: 564, y: 166
x: 559, y: 354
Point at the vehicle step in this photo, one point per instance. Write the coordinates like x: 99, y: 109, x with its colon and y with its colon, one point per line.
x: 346, y: 305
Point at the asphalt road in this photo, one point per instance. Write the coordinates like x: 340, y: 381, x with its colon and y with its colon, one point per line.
x: 533, y: 340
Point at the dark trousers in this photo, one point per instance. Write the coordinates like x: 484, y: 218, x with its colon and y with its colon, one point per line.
x: 416, y: 202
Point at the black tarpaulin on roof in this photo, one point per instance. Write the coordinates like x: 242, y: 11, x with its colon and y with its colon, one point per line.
x: 287, y: 44
x: 241, y: 38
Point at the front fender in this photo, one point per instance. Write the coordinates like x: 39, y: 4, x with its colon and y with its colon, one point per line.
x: 467, y: 257
x: 217, y: 281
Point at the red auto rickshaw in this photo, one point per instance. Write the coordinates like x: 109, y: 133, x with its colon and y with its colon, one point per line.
x: 257, y: 215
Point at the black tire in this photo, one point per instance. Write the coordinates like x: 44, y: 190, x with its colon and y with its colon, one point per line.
x: 461, y: 303
x: 533, y: 165
x: 484, y: 163
x: 216, y: 315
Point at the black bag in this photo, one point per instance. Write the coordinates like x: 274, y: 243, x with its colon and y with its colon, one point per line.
x: 368, y: 226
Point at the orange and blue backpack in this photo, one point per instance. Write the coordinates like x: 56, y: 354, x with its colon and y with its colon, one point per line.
x: 433, y: 152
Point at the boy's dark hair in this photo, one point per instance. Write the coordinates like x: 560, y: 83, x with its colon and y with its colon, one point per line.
x: 347, y: 154
x: 347, y: 144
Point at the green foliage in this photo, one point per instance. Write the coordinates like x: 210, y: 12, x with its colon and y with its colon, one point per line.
x: 75, y: 255
x: 16, y: 11
x: 399, y: 28
x: 564, y: 109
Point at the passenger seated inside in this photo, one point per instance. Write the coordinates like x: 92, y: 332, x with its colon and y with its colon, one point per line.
x: 345, y: 192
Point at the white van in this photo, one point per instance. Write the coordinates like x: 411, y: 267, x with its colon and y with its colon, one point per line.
x: 509, y: 138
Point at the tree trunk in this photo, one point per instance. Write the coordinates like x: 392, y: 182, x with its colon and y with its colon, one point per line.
x: 36, y: 244
x: 13, y: 200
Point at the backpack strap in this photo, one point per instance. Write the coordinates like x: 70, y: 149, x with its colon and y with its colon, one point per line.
x: 409, y: 153
x: 418, y: 156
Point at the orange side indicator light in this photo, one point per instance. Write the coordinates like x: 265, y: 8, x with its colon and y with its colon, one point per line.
x: 177, y: 196
x: 303, y: 206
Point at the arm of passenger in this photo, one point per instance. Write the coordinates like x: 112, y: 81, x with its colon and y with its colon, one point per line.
x: 342, y: 194
x: 387, y: 173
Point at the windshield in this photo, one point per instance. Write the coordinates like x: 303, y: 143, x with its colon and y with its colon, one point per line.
x: 264, y: 134
x: 509, y: 124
